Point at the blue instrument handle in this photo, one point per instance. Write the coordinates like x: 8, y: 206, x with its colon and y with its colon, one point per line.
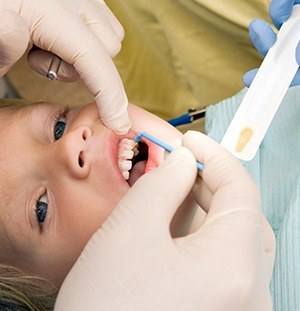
x: 183, y: 119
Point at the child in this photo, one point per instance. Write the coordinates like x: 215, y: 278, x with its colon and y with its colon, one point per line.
x: 64, y: 173
x: 75, y: 175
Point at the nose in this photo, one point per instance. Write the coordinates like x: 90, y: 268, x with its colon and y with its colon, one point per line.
x: 70, y: 152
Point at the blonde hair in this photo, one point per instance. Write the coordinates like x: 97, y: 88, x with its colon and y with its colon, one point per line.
x: 19, y: 291
x: 14, y: 103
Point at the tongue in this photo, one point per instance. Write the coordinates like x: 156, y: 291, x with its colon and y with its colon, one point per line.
x: 136, y: 172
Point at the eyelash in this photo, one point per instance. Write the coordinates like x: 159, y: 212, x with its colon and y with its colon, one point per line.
x: 62, y: 113
x: 37, y: 210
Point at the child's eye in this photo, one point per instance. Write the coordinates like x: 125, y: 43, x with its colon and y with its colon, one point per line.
x: 59, y: 128
x: 60, y: 122
x: 41, y: 208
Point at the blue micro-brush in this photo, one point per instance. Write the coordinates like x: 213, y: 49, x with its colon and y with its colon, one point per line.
x: 161, y: 144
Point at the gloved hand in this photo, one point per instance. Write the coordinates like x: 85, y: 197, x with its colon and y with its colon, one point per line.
x: 133, y: 263
x: 84, y: 33
x: 263, y: 37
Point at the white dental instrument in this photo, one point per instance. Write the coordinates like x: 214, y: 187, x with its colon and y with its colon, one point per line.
x: 255, y: 113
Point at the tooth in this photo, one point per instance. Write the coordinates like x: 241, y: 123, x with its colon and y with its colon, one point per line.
x: 135, y: 151
x: 125, y: 175
x: 125, y: 165
x: 128, y: 148
x: 126, y: 154
x: 127, y: 143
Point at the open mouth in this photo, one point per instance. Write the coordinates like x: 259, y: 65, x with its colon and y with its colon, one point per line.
x: 133, y: 159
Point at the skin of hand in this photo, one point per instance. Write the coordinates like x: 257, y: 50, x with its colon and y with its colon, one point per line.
x: 84, y: 33
x: 263, y: 37
x: 133, y: 263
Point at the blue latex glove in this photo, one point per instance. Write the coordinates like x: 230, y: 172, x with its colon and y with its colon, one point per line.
x: 263, y: 36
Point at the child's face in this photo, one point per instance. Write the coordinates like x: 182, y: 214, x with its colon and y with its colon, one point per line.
x: 58, y: 188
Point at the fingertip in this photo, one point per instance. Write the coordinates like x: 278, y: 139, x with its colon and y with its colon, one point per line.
x: 113, y: 109
x: 298, y: 53
x: 246, y: 80
x: 262, y: 36
x: 201, y: 145
x: 249, y: 76
x: 252, y: 29
x: 120, y: 125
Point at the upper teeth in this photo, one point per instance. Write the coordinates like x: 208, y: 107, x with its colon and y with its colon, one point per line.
x: 127, y: 150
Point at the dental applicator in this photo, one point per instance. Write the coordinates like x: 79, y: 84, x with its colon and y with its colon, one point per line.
x: 161, y: 144
x: 258, y: 108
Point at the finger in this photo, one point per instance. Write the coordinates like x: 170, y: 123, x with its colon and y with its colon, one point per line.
x: 224, y: 175
x: 92, y: 62
x: 281, y: 10
x: 14, y: 39
x: 118, y: 28
x: 249, y: 76
x: 102, y: 28
x: 234, y: 216
x: 40, y: 60
x: 262, y: 36
x: 298, y: 53
x: 155, y: 197
x: 201, y: 194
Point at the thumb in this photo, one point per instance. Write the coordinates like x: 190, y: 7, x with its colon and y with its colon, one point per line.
x: 249, y: 76
x: 226, y: 178
x: 14, y: 39
x: 155, y: 197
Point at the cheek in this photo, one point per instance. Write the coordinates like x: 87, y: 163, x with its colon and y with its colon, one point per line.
x: 83, y: 207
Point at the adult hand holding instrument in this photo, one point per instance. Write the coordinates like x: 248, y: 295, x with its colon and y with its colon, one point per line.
x: 49, y: 26
x: 266, y: 92
x: 132, y: 257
